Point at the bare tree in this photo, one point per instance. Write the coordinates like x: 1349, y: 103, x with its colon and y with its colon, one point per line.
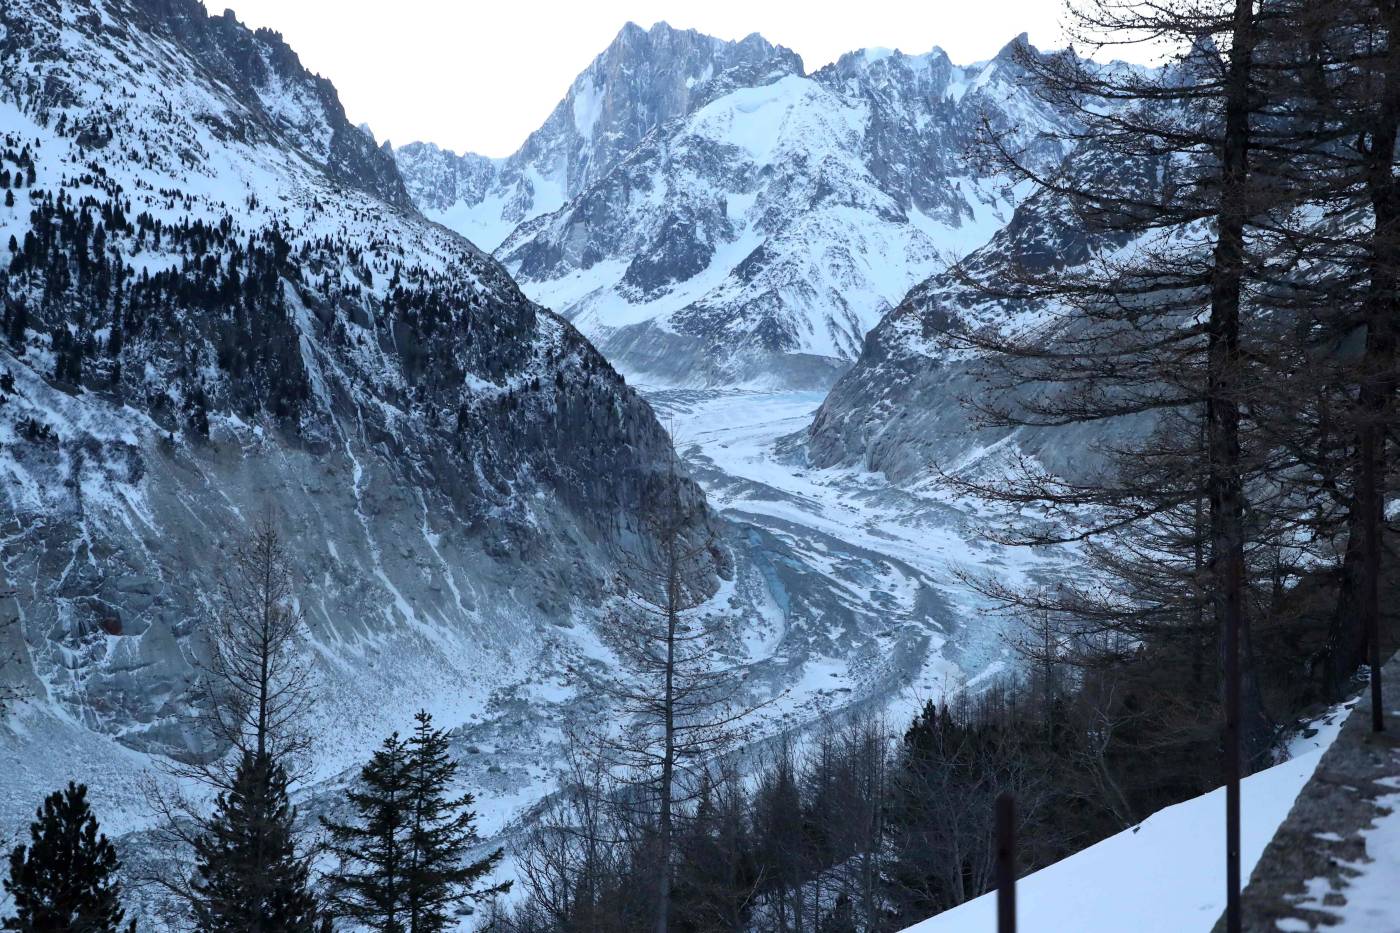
x: 254, y: 689
x: 717, y: 880
x: 675, y: 693
x: 1162, y: 338
x: 1351, y: 246
x: 953, y: 763
x: 256, y: 685
x: 780, y: 837
x: 574, y: 861
x: 848, y: 786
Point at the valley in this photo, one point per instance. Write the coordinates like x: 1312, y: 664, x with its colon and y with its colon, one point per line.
x: 681, y: 465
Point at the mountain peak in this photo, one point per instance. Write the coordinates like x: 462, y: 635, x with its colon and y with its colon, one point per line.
x: 644, y: 78
x: 662, y: 31
x: 877, y: 61
x: 1010, y: 50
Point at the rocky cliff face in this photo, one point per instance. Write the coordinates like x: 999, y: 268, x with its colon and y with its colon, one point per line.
x: 275, y: 94
x: 902, y: 409
x: 210, y: 318
x: 770, y: 218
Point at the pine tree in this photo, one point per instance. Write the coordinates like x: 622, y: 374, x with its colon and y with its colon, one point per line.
x: 63, y: 879
x: 368, y: 888
x: 441, y: 831
x: 249, y: 876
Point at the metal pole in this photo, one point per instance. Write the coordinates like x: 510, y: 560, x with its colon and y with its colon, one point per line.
x: 1232, y: 772
x: 1006, y: 864
x: 1374, y: 637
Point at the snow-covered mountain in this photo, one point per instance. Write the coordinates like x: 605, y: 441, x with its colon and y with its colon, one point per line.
x: 220, y: 305
x: 642, y: 80
x: 901, y: 410
x: 768, y: 221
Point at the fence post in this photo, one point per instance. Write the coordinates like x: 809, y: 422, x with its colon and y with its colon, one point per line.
x: 1006, y: 863
x: 1232, y: 773
x: 1377, y: 701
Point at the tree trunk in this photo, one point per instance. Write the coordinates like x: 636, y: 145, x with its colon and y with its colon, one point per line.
x: 1226, y: 490
x: 1377, y: 388
x: 1346, y: 635
x: 668, y: 758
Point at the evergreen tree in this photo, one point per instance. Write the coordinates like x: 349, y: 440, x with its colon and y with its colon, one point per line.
x: 62, y: 881
x: 369, y: 885
x: 249, y: 876
x: 438, y: 875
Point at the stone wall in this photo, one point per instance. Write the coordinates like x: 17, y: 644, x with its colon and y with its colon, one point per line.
x: 1304, y: 875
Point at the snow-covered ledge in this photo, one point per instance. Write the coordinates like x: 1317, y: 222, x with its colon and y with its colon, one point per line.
x: 1335, y: 861
x: 1165, y: 875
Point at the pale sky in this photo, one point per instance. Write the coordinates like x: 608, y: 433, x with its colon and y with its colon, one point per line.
x: 479, y: 75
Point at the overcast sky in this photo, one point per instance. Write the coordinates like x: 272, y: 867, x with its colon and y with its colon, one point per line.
x: 479, y: 75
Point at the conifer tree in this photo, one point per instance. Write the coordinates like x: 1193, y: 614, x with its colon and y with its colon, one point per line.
x: 441, y: 831
x: 369, y: 887
x: 249, y: 876
x: 63, y: 879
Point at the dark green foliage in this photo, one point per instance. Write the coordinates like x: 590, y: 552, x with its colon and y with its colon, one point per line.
x: 369, y: 886
x: 222, y: 290
x: 717, y: 872
x: 62, y: 881
x: 404, y: 859
x: 15, y: 322
x: 249, y: 875
x: 441, y: 830
x: 871, y: 829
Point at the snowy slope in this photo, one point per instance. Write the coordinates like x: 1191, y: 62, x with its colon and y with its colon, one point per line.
x: 902, y: 409
x: 764, y: 221
x: 896, y: 550
x: 457, y: 470
x: 222, y: 306
x: 1165, y: 875
x: 758, y: 239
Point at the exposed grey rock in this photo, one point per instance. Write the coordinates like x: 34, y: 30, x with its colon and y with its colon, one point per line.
x: 454, y: 466
x: 457, y: 471
x: 278, y: 96
x: 904, y: 408
x: 1302, y: 878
